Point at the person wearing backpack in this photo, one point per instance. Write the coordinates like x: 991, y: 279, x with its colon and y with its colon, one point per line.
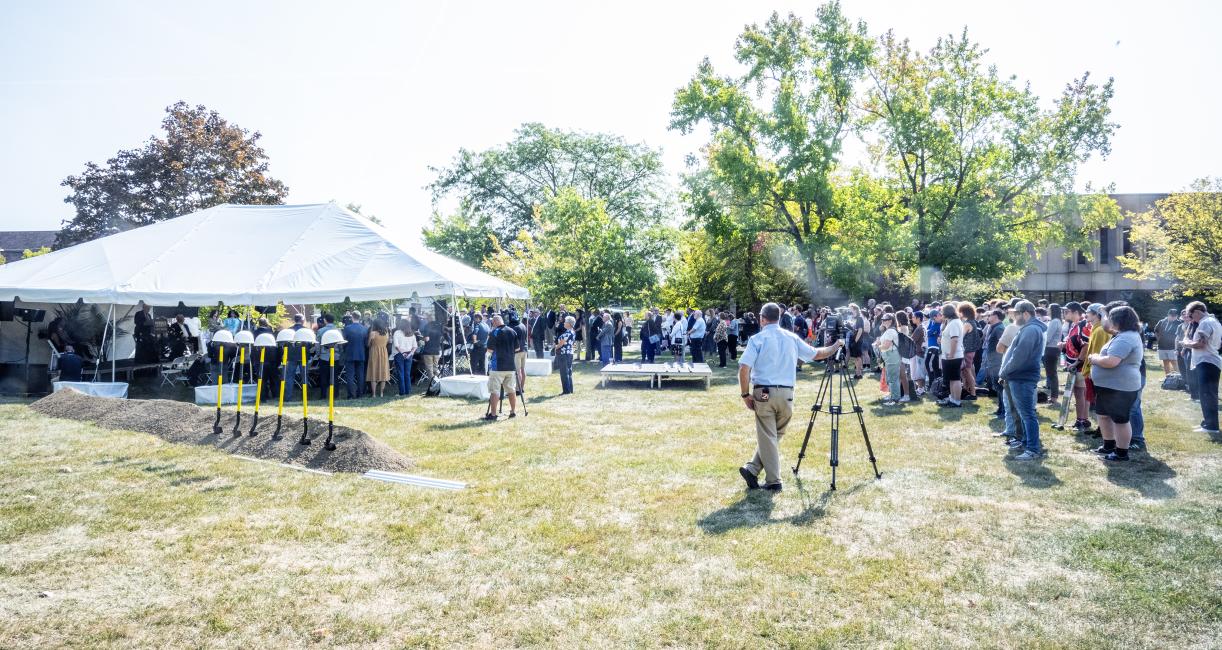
x: 887, y: 343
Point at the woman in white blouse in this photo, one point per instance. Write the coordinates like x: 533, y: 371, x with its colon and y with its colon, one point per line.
x: 404, y: 345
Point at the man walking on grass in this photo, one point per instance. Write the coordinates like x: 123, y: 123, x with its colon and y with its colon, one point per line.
x: 766, y: 375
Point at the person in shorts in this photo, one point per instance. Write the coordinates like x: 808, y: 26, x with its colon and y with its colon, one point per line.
x: 502, y: 368
x: 1165, y: 334
x: 1116, y: 374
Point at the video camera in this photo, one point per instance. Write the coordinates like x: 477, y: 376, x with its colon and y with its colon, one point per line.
x: 836, y: 325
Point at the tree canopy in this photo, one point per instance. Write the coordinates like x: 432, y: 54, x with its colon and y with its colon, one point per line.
x: 506, y: 183
x: 966, y: 170
x: 201, y: 161
x: 582, y: 255
x: 979, y: 167
x: 777, y: 129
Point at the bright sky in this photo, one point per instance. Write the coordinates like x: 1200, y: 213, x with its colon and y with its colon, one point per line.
x: 356, y: 100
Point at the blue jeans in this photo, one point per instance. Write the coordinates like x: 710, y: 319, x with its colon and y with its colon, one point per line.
x: 894, y: 382
x: 604, y: 354
x: 1136, y: 420
x: 1022, y: 409
x: 403, y: 371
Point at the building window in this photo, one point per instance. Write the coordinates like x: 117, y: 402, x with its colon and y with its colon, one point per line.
x: 1126, y: 241
x: 1105, y: 245
x: 1082, y: 258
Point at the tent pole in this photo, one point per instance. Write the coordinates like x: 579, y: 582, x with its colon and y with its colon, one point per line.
x: 97, y: 363
x: 456, y: 324
x: 113, y: 329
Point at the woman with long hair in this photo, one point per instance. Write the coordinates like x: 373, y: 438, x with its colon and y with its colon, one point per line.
x: 377, y: 368
x: 405, y: 345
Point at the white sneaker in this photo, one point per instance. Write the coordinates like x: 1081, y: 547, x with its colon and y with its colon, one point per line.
x: 920, y: 392
x: 1204, y: 430
x: 905, y: 399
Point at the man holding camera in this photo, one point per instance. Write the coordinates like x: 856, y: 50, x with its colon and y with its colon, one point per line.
x: 766, y: 375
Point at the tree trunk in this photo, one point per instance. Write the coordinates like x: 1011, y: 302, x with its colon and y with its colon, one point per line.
x: 813, y: 282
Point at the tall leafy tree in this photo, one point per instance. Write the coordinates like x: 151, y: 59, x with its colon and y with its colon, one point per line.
x: 582, y: 255
x: 1180, y: 240
x: 980, y: 168
x: 507, y: 183
x: 777, y: 129
x: 464, y: 235
x: 200, y: 161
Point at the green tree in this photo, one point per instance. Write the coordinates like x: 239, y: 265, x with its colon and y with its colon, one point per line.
x: 27, y: 253
x: 582, y: 255
x: 777, y: 129
x: 1180, y: 240
x: 201, y: 161
x: 980, y: 168
x: 465, y: 235
x: 508, y: 182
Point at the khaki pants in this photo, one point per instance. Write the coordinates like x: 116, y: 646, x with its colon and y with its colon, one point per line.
x: 771, y: 418
x: 430, y: 364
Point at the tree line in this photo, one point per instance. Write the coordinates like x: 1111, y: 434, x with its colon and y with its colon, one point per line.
x: 966, y: 170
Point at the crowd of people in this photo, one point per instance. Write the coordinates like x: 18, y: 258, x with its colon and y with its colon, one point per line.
x: 1017, y: 352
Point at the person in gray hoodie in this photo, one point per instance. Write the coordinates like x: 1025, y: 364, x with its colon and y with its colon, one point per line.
x: 1020, y: 376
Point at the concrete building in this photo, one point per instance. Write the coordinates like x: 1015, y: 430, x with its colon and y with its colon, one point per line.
x: 1097, y: 277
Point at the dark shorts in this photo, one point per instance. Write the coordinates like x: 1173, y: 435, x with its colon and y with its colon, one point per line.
x: 854, y: 348
x: 951, y: 369
x: 1115, y: 404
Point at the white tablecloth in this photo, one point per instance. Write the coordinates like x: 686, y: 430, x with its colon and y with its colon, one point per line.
x: 96, y: 388
x: 229, y: 394
x: 538, y: 367
x: 465, y: 386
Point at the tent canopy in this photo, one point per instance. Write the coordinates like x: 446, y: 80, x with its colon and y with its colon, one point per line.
x: 248, y: 255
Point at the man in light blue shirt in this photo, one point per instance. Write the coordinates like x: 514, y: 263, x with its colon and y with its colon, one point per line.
x: 766, y: 375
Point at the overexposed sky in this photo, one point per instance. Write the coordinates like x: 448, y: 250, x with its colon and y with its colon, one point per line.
x: 356, y: 100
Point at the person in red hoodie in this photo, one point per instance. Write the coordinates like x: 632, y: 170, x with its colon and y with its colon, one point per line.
x: 1076, y: 339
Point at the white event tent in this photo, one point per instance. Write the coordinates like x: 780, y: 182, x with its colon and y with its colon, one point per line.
x: 248, y: 255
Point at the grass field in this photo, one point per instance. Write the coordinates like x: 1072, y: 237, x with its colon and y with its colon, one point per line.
x: 614, y: 518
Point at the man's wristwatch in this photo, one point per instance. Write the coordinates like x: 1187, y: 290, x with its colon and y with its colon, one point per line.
x: 746, y: 395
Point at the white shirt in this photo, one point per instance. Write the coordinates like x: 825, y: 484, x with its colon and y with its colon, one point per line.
x: 698, y: 329
x: 773, y: 356
x: 952, y: 329
x: 404, y: 344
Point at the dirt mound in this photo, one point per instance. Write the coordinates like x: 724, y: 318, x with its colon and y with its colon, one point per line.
x: 189, y: 424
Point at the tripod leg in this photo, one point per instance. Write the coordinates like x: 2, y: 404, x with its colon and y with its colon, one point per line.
x: 861, y: 421
x: 824, y: 386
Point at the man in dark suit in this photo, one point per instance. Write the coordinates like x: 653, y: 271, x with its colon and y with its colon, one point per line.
x: 538, y: 332
x: 357, y: 336
x: 550, y: 331
x: 180, y: 336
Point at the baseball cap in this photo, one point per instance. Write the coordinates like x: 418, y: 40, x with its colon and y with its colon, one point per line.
x: 1096, y: 309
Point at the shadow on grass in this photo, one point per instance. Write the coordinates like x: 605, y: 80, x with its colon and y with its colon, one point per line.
x: 755, y: 509
x: 1032, y: 472
x: 466, y: 424
x: 1144, y: 473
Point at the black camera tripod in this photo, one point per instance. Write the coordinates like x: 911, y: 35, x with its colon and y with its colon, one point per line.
x: 836, y: 378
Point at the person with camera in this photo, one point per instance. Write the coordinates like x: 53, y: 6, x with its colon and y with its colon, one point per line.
x: 502, y: 369
x: 766, y: 374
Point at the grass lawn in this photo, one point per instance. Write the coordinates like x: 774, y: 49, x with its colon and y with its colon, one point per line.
x: 615, y: 518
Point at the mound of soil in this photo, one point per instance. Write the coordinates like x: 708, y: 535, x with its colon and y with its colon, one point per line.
x: 187, y: 423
